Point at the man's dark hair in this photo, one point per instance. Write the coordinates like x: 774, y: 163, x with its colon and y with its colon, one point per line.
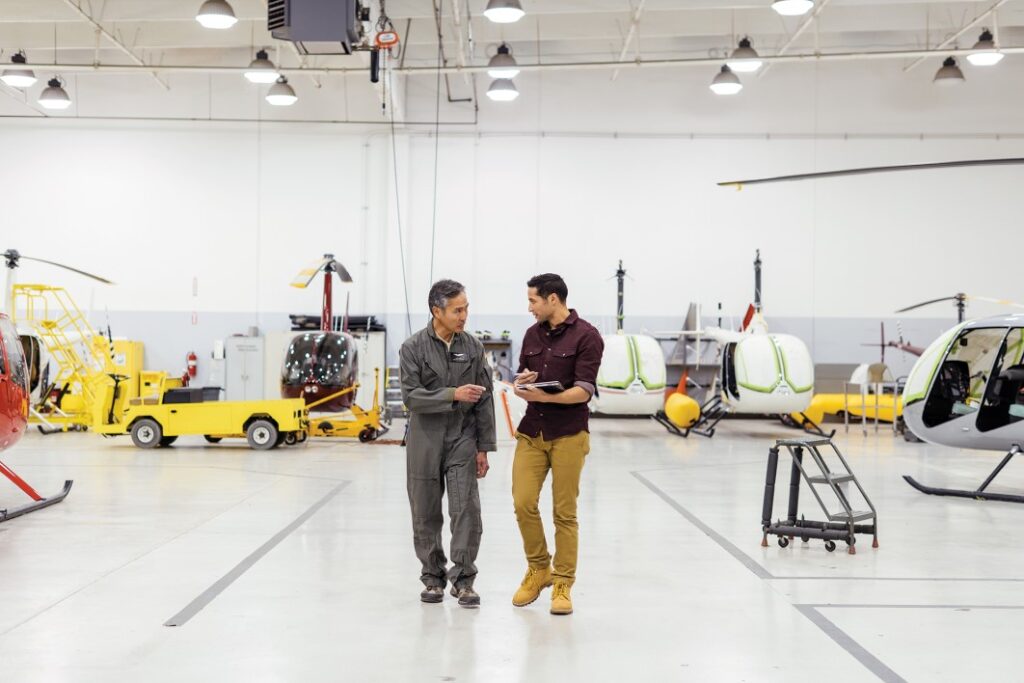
x: 549, y: 283
x: 443, y: 291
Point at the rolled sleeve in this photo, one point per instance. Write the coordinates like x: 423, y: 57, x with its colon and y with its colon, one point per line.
x: 588, y: 361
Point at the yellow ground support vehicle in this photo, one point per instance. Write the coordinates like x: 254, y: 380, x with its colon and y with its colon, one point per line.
x: 175, y: 411
x: 366, y: 425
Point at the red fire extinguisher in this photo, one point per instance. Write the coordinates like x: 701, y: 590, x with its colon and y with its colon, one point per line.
x: 191, y: 361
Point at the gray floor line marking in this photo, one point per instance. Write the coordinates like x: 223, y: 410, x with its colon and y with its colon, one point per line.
x: 893, y: 578
x: 728, y: 547
x: 136, y: 559
x: 884, y: 606
x: 207, y: 596
x: 845, y: 641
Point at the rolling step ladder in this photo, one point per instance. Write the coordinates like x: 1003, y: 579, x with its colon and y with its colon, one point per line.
x: 393, y: 391
x: 831, y: 470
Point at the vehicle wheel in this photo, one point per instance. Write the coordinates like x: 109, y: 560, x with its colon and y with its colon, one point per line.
x: 290, y: 439
x: 261, y: 435
x: 300, y: 437
x: 167, y: 440
x: 368, y: 434
x: 783, y: 541
x: 281, y: 436
x: 805, y: 539
x: 830, y: 545
x: 212, y: 439
x: 146, y: 433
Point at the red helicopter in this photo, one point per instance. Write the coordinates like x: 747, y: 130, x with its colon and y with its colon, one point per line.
x: 318, y: 364
x: 14, y: 396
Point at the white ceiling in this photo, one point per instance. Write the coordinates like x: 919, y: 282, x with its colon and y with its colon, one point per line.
x: 164, y: 33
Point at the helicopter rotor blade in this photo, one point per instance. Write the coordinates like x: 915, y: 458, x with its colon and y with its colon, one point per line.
x: 874, y: 169
x: 342, y: 272
x: 927, y: 303
x: 73, y: 270
x: 993, y: 300
x: 306, y: 275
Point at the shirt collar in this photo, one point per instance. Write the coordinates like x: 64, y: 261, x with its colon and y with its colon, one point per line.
x: 571, y: 320
x: 433, y: 333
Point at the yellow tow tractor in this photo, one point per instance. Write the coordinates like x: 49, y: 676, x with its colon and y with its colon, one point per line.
x: 176, y: 410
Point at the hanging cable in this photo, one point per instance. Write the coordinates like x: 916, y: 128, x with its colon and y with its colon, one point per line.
x: 437, y: 133
x: 398, y: 203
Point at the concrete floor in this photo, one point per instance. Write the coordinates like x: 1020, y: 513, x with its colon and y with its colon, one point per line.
x: 298, y: 565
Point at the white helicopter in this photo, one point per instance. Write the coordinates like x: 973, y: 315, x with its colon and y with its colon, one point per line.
x: 967, y: 391
x: 761, y: 374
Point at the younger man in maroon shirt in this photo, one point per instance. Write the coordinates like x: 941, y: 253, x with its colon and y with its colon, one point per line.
x: 564, y: 348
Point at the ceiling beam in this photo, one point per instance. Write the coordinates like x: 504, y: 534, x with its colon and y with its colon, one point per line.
x: 956, y: 36
x: 634, y: 22
x: 113, y: 39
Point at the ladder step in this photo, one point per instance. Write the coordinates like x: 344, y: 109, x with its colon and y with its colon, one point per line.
x: 831, y: 478
x: 803, y: 442
x: 855, y: 516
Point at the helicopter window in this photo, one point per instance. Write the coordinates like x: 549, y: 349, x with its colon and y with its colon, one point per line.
x: 959, y: 385
x: 729, y: 370
x: 327, y: 359
x: 15, y: 353
x: 1004, y: 402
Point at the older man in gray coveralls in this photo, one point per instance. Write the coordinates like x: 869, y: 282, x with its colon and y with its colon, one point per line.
x: 447, y: 387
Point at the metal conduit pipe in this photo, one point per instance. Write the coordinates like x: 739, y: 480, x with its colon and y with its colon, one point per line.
x: 547, y: 66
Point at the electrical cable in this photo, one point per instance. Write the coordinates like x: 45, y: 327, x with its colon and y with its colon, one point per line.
x: 437, y: 135
x: 398, y: 204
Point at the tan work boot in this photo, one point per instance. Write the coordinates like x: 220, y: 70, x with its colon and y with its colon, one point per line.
x: 561, y: 602
x: 533, y: 583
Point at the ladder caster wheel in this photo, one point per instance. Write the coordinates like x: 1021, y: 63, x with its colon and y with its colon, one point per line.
x: 783, y: 541
x: 830, y: 545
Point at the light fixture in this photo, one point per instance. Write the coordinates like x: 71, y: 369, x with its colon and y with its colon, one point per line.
x: 949, y: 73
x: 54, y: 96
x: 503, y: 64
x: 744, y: 59
x: 792, y: 8
x: 502, y: 90
x: 216, y: 14
x: 726, y: 82
x: 985, y: 53
x: 504, y: 11
x: 281, y: 94
x: 18, y: 78
x: 261, y: 69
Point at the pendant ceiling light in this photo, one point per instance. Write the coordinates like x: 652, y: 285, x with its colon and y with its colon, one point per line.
x: 744, y: 59
x: 54, y: 96
x: 949, y: 73
x: 261, y: 69
x: 726, y: 82
x: 216, y: 14
x: 18, y: 78
x: 985, y: 52
x: 502, y: 90
x: 792, y: 8
x: 503, y: 64
x: 281, y: 94
x: 504, y: 11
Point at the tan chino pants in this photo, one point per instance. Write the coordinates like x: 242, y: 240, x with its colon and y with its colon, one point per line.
x: 564, y: 457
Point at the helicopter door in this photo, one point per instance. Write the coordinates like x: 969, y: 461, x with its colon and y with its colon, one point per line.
x: 1004, y: 401
x: 729, y: 371
x: 959, y: 386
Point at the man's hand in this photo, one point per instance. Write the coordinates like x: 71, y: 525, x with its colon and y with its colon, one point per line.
x: 481, y: 465
x: 533, y: 395
x: 469, y: 393
x: 525, y: 377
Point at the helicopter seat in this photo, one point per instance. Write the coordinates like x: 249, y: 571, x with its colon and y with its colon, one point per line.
x: 948, y: 397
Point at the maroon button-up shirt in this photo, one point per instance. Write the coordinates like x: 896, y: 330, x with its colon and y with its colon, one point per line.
x: 571, y: 354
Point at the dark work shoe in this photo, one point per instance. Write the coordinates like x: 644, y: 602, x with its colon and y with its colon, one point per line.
x: 467, y: 597
x: 432, y: 594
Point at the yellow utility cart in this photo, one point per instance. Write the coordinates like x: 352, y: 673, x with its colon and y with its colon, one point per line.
x: 176, y: 410
x: 367, y: 425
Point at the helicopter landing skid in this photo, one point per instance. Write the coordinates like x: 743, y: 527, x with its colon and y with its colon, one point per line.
x: 980, y: 493
x: 807, y: 424
x: 38, y: 502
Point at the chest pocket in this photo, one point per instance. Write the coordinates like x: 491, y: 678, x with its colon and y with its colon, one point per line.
x: 433, y: 377
x: 533, y: 358
x: 562, y: 365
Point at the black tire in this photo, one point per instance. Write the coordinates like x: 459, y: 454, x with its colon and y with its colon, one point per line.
x: 368, y: 435
x: 167, y: 440
x: 262, y: 435
x: 300, y: 437
x: 212, y: 439
x: 805, y: 539
x: 783, y: 541
x: 147, y: 433
x: 281, y: 436
x: 290, y: 439
x: 830, y: 545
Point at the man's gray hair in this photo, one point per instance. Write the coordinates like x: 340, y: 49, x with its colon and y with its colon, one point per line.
x: 443, y: 291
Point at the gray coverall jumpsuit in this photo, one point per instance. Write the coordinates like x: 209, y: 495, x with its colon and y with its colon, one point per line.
x: 444, y: 437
